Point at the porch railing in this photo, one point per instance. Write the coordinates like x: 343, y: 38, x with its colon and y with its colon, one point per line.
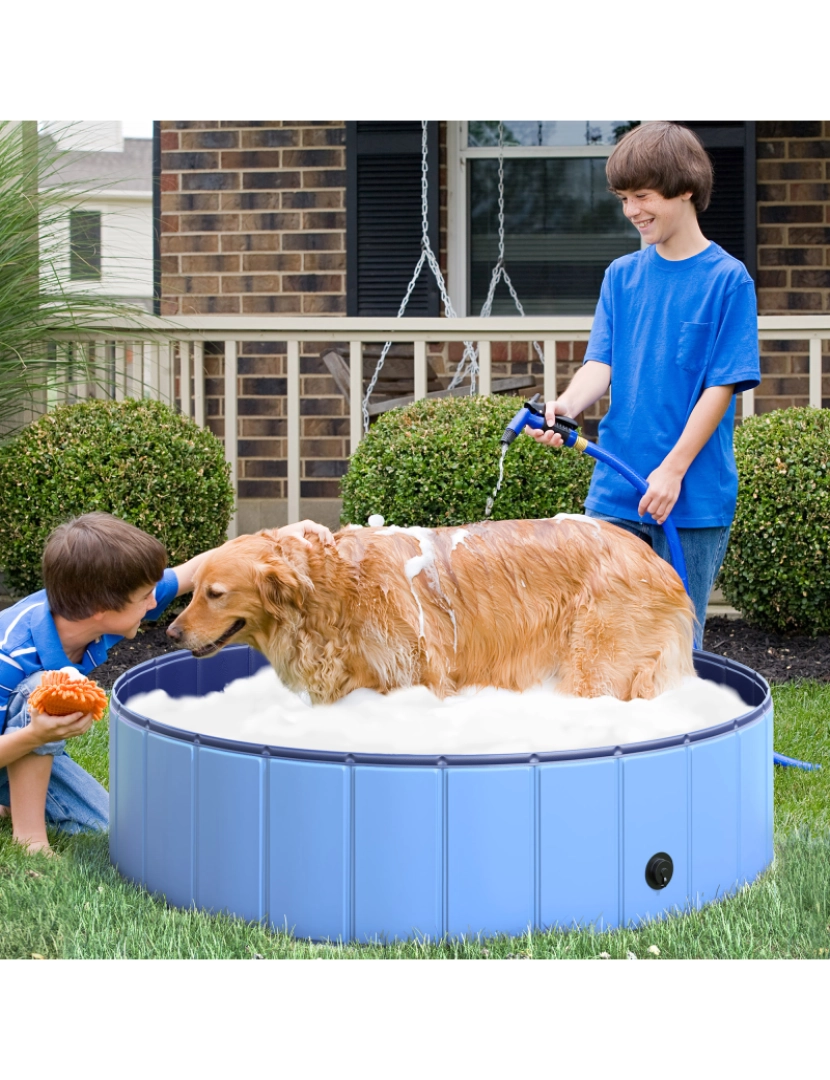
x: 167, y: 352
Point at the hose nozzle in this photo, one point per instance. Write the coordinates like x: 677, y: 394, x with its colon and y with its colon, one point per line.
x: 532, y: 415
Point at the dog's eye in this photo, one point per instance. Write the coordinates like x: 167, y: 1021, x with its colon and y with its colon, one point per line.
x: 213, y: 593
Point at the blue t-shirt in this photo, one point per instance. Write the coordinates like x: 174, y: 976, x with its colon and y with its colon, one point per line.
x: 669, y: 330
x: 29, y: 640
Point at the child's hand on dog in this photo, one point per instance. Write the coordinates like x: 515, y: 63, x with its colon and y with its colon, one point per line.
x: 299, y: 528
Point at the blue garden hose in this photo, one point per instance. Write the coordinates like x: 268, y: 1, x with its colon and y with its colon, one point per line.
x: 532, y: 415
x: 779, y: 759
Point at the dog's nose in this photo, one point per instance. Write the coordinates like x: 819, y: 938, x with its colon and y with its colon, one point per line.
x: 173, y: 632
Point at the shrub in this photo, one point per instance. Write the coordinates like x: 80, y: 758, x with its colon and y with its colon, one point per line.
x: 436, y: 462
x: 138, y: 460
x: 777, y: 567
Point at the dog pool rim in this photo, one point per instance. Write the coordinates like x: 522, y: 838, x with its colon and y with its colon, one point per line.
x: 702, y: 660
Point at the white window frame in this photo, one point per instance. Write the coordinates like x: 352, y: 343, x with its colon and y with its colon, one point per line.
x: 458, y: 154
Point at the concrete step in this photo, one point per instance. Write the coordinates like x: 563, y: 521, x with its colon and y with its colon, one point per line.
x: 718, y: 606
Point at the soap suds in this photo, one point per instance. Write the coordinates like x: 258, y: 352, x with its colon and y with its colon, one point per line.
x: 261, y: 710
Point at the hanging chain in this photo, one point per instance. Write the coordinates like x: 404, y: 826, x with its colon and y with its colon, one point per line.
x: 387, y: 346
x: 499, y: 270
x: 469, y: 361
x: 470, y: 357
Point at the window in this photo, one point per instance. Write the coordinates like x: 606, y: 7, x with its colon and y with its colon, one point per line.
x: 570, y: 133
x: 562, y: 227
x: 85, y: 245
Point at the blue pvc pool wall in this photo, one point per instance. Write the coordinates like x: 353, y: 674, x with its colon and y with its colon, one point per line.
x: 367, y: 847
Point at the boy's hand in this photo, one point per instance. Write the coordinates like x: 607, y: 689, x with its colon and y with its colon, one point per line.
x: 587, y: 386
x: 47, y: 728
x: 662, y: 494
x: 299, y: 528
x: 550, y: 438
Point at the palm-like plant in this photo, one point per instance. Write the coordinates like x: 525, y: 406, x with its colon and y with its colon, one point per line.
x: 37, y: 301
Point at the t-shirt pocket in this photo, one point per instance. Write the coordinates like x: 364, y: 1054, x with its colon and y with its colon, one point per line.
x: 694, y: 345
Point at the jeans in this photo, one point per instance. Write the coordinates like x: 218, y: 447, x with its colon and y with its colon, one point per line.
x: 75, y: 801
x: 703, y: 550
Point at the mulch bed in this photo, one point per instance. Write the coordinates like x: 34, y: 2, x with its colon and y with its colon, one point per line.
x: 778, y: 658
x: 150, y: 641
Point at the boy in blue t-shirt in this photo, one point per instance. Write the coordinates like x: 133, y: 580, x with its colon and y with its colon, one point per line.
x: 675, y: 337
x: 102, y: 577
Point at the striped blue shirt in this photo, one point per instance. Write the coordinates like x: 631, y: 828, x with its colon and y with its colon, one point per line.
x: 29, y: 640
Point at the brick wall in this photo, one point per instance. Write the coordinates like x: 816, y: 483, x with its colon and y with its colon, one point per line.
x: 253, y: 217
x: 254, y: 223
x: 793, y: 248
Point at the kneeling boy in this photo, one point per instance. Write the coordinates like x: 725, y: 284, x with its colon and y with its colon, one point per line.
x: 102, y: 577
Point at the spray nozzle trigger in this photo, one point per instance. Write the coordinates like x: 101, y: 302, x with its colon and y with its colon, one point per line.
x: 532, y: 415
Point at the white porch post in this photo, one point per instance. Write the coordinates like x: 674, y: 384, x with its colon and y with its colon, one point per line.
x: 165, y: 383
x: 815, y: 372
x: 420, y: 386
x: 485, y: 368
x: 135, y: 371
x: 199, y: 382
x: 293, y: 449
x: 231, y: 446
x: 120, y: 373
x: 184, y: 376
x: 151, y: 370
x: 549, y: 349
x: 355, y: 394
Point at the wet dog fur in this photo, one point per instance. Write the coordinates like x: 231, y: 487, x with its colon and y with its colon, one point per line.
x: 499, y: 603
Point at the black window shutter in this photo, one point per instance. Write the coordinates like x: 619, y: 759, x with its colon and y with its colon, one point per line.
x: 383, y: 217
x: 730, y: 219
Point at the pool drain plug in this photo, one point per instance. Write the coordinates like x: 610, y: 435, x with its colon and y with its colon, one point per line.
x: 659, y: 870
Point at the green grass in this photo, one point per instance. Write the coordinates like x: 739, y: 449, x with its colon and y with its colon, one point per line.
x: 802, y: 712
x: 77, y: 906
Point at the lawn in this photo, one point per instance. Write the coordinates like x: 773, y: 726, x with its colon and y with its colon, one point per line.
x: 77, y: 906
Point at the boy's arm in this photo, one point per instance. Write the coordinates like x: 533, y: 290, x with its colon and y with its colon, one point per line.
x: 17, y: 744
x: 43, y: 728
x: 594, y: 377
x: 664, y: 482
x: 186, y: 573
x: 587, y: 386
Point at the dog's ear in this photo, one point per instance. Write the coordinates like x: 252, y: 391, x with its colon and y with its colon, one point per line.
x: 281, y: 584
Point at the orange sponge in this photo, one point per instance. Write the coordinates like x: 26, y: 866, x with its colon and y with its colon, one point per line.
x: 59, y: 695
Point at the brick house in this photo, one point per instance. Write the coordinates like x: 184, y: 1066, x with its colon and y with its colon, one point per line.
x: 311, y: 218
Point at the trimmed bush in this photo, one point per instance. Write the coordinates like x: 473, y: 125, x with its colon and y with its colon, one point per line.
x: 777, y: 567
x: 138, y: 460
x: 436, y: 462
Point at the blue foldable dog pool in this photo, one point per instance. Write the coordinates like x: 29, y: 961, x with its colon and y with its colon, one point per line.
x: 371, y: 847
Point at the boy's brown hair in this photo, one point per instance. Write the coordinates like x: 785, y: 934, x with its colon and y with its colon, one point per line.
x: 95, y: 562
x: 666, y: 157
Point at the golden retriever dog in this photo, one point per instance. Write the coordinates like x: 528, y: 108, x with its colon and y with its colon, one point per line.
x: 500, y: 603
